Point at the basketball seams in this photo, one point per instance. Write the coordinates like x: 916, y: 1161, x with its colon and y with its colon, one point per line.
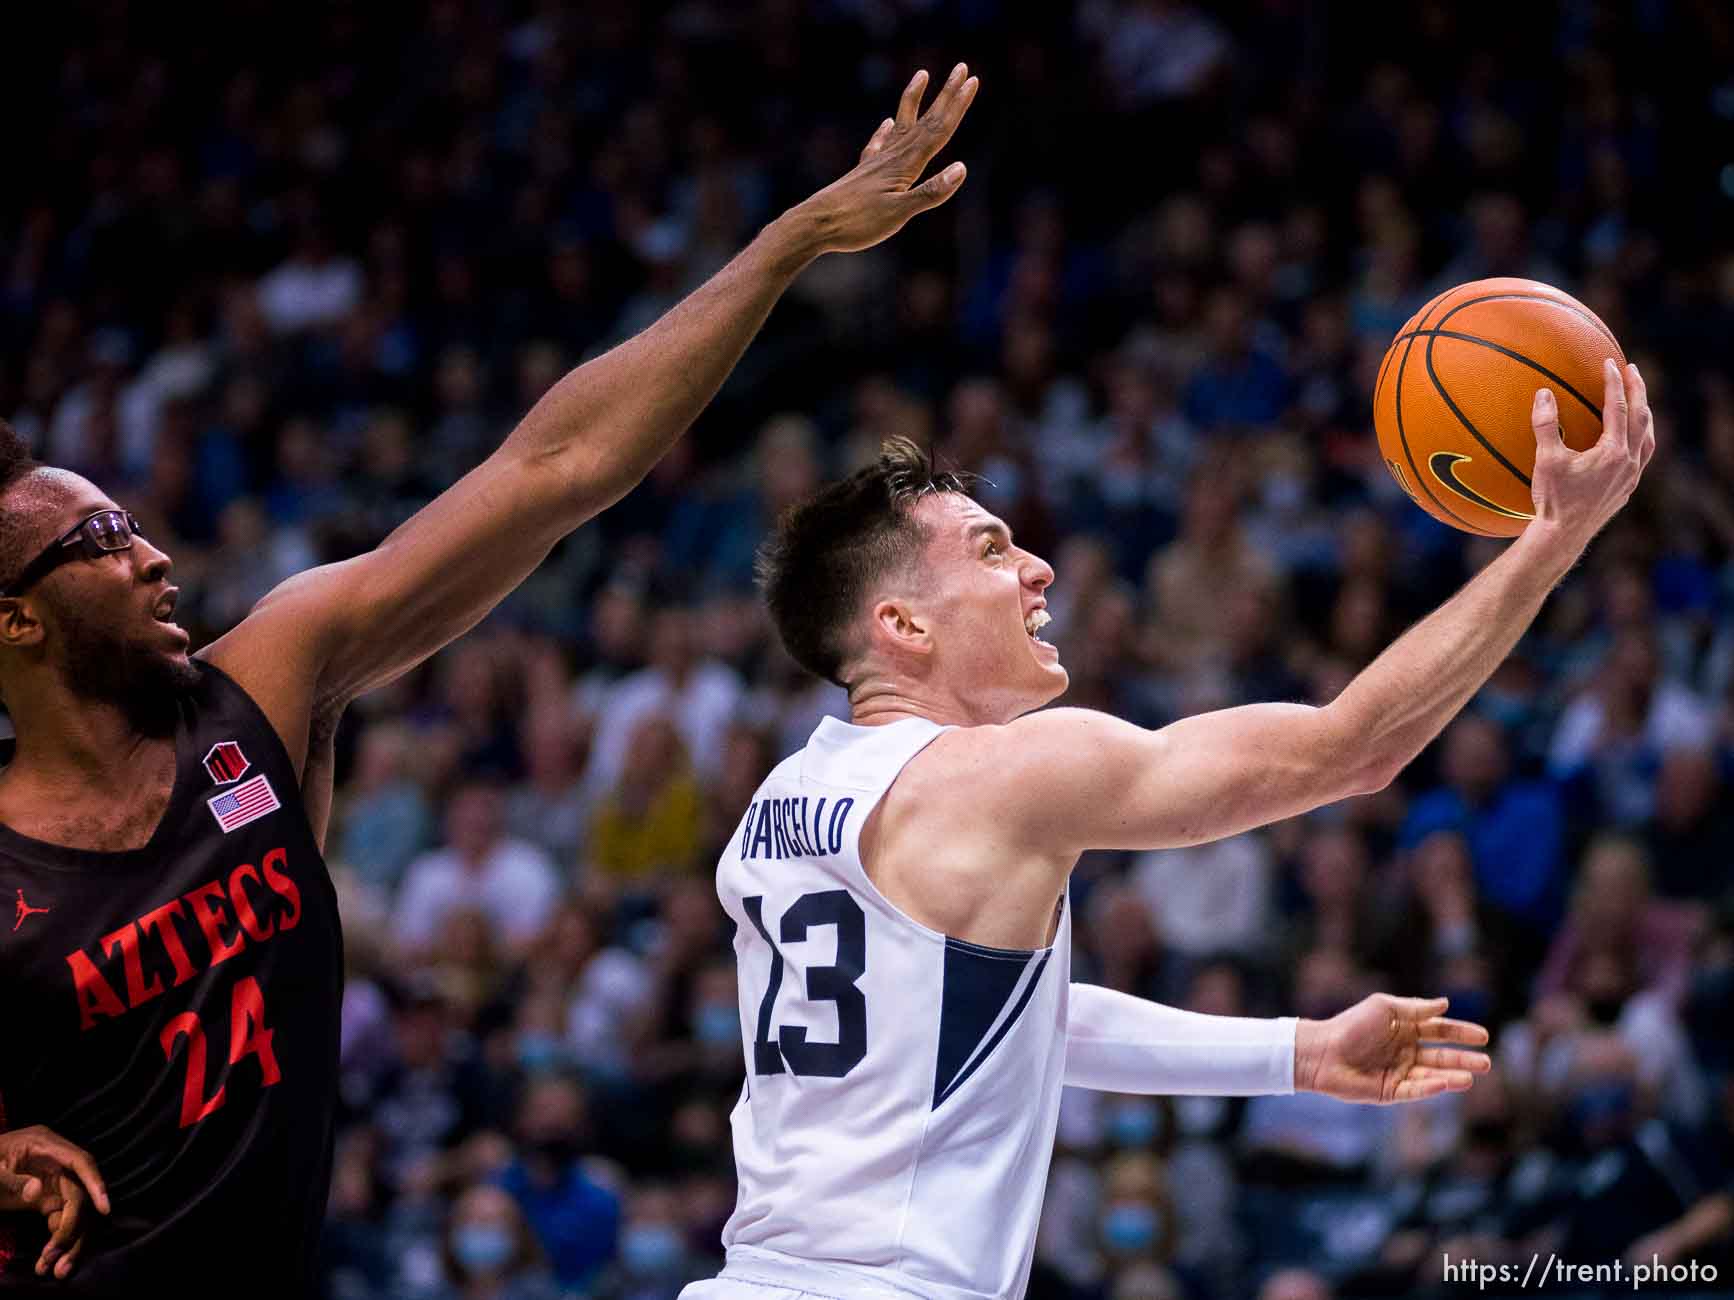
x: 1385, y: 365
x: 1563, y: 301
x: 1511, y: 295
x: 1505, y: 351
x: 1463, y: 419
x: 1379, y: 384
x: 1403, y: 437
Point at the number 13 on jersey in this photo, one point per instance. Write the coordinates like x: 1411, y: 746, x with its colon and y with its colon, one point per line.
x: 788, y: 1048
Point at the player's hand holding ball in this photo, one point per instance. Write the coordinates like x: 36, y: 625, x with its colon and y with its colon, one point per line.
x: 1579, y: 491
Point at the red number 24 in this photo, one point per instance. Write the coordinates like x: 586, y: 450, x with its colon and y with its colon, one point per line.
x: 247, y: 1034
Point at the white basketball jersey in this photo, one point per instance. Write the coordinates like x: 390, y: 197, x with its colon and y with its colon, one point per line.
x: 902, y: 1087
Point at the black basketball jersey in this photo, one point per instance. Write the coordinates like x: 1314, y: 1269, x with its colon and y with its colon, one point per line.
x: 174, y: 1010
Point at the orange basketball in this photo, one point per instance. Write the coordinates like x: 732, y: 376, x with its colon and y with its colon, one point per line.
x: 1453, y: 397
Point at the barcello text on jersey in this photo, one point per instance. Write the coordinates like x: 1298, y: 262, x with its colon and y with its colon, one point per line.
x: 789, y: 828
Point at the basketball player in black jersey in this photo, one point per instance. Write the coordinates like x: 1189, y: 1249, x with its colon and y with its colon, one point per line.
x: 171, y: 965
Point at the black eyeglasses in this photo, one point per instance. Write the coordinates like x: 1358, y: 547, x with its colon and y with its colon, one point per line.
x: 89, y: 539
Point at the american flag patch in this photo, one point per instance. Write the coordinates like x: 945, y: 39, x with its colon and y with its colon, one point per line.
x: 247, y: 802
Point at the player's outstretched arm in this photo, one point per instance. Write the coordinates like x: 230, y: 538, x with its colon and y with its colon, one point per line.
x: 1119, y: 1043
x: 327, y: 635
x: 1107, y: 784
x: 1382, y: 1049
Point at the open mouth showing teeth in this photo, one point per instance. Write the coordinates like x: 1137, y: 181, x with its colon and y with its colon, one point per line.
x: 1035, y: 621
x: 164, y: 612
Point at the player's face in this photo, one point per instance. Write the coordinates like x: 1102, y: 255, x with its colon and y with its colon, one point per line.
x: 983, y: 594
x: 107, y: 623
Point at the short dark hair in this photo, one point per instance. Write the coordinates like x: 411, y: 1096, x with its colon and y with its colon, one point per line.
x: 15, y: 531
x: 828, y: 551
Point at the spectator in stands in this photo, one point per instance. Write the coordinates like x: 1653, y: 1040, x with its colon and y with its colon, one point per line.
x: 1240, y: 385
x: 1102, y: 659
x: 1691, y: 827
x: 1187, y: 578
x: 474, y: 728
x: 1646, y: 1173
x: 1137, y: 1214
x: 429, y: 1095
x: 550, y: 808
x: 748, y: 757
x: 314, y: 288
x: 1612, y: 739
x: 649, y: 823
x: 1704, y: 1233
x: 510, y: 881
x: 467, y: 963
x: 1514, y: 828
x: 575, y: 1218
x: 1439, y: 934
x: 1602, y: 1002
x: 1124, y: 948
x: 1614, y: 910
x: 490, y: 1253
x: 386, y: 819
x: 700, y: 696
x: 1475, y: 1189
x: 655, y: 1259
x: 1306, y: 1138
x: 1342, y: 911
x: 1211, y: 898
x: 603, y: 988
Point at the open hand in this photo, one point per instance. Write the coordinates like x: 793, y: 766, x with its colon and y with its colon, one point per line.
x: 873, y: 201
x: 1580, y: 491
x: 1385, y: 1049
x: 41, y: 1171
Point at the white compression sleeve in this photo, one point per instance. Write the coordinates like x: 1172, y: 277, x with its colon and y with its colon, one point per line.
x: 1119, y: 1043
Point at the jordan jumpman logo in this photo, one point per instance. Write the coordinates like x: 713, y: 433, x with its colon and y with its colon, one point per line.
x: 23, y: 910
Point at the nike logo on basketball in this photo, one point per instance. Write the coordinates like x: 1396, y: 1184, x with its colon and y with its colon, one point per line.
x: 23, y: 910
x: 1444, y: 466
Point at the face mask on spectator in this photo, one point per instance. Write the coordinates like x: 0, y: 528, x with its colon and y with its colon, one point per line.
x: 717, y: 1024
x: 481, y: 1248
x: 1133, y: 1125
x: 1131, y: 1227
x: 539, y: 1052
x: 651, y: 1248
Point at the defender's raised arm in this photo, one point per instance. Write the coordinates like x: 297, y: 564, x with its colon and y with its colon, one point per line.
x: 591, y: 437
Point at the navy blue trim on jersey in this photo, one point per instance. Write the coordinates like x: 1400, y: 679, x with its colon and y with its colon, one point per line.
x: 978, y: 984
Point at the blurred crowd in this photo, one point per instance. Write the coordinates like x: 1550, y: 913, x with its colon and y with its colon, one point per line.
x: 275, y: 275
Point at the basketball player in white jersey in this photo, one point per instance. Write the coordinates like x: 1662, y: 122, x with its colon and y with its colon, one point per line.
x: 898, y: 887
